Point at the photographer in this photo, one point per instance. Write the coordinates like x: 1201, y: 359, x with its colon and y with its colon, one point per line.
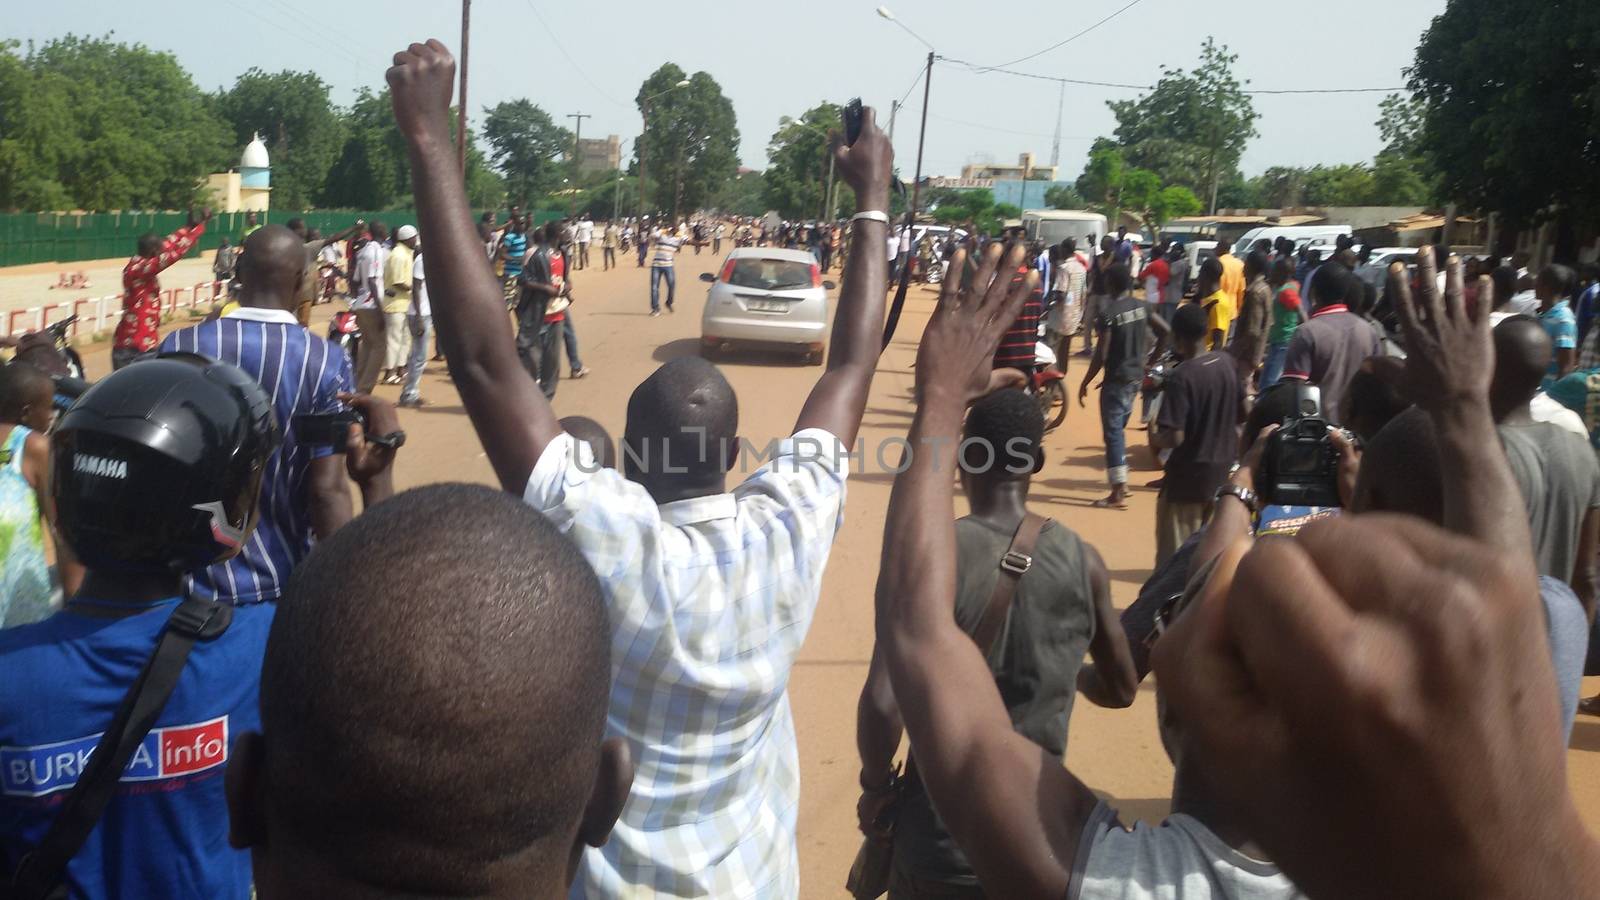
x: 155, y: 473
x: 1381, y: 663
x: 305, y: 490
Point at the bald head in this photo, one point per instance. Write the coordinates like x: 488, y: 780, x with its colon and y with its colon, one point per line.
x: 273, y: 265
x: 1522, y: 353
x: 681, y: 429
x: 433, y: 704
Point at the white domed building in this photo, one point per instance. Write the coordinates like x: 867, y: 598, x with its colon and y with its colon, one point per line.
x: 248, y: 187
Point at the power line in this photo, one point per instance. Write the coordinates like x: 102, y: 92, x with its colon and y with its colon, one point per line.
x: 975, y: 69
x: 579, y: 69
x: 1070, y: 39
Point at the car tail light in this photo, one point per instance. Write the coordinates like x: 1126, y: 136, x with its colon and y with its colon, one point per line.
x: 727, y: 271
x: 816, y: 276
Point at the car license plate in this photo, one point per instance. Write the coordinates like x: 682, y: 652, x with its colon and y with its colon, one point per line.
x: 769, y: 306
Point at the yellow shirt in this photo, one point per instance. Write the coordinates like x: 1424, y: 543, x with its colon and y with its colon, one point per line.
x: 397, y: 278
x: 1233, y: 278
x: 1220, y: 311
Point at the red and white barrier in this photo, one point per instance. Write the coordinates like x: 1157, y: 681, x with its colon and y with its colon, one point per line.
x: 100, y: 314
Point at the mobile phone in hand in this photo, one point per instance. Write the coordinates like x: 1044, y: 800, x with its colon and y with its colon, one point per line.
x: 852, y: 121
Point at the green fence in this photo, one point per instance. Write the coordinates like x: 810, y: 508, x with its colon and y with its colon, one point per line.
x: 65, y: 237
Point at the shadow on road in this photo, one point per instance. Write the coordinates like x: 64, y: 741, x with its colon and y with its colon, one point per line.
x: 672, y: 350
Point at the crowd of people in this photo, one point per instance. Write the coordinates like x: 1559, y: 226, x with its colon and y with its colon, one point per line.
x: 576, y: 685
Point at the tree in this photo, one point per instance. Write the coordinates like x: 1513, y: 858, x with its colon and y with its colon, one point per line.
x: 1192, y: 128
x: 744, y: 194
x: 1113, y: 187
x: 1402, y: 174
x: 798, y: 157
x: 690, y: 138
x: 1063, y: 196
x: 103, y: 125
x: 292, y: 113
x: 372, y: 171
x: 1512, y: 106
x: 526, y: 146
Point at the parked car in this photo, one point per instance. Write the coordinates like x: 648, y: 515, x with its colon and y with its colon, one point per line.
x: 767, y: 297
x: 1376, y: 270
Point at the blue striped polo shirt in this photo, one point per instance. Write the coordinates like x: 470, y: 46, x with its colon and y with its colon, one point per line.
x: 303, y: 374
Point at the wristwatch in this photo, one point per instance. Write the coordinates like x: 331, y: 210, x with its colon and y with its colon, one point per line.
x: 1241, y: 493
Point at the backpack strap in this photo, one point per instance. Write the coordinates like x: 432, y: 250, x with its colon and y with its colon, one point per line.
x: 1017, y: 560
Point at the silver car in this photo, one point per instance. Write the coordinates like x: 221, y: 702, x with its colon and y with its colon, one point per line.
x: 767, y: 297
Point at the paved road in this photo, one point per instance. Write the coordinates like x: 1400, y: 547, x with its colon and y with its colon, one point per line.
x: 1116, y: 752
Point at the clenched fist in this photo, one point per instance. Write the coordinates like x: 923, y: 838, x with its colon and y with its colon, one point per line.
x: 421, y: 82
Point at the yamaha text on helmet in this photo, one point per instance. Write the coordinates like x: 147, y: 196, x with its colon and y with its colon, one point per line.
x: 157, y: 467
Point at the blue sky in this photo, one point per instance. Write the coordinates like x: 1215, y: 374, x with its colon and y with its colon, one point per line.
x: 774, y: 59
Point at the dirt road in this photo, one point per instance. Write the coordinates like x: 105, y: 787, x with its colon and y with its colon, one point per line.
x: 1116, y: 752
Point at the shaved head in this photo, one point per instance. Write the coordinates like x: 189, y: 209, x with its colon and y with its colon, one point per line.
x: 1400, y: 470
x: 433, y: 703
x: 273, y: 265
x: 1522, y: 354
x: 681, y: 429
x: 26, y: 395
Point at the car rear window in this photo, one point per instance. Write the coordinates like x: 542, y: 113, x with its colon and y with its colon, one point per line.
x: 768, y: 274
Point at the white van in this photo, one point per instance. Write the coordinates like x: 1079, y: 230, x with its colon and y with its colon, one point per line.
x: 1052, y: 226
x: 1314, y: 237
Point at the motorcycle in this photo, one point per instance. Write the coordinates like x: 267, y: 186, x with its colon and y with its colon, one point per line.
x: 345, y: 331
x: 51, y: 353
x: 1151, y: 388
x: 1046, y: 385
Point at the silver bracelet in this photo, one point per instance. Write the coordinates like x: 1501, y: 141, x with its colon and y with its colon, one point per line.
x: 871, y: 215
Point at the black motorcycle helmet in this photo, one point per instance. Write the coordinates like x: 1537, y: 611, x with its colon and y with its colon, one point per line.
x: 156, y: 468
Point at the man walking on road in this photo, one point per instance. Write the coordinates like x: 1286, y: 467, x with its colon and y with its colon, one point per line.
x: 684, y: 563
x: 139, y: 332
x: 305, y: 491
x: 1061, y: 609
x: 665, y: 256
x: 366, y: 298
x: 1122, y: 331
x: 585, y: 235
x: 609, y: 241
x: 1198, y: 422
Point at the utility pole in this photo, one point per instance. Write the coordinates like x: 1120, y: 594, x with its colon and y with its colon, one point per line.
x: 827, y: 189
x: 638, y: 147
x: 894, y: 110
x: 922, y: 135
x: 1055, y: 148
x: 461, y: 122
x: 577, y: 142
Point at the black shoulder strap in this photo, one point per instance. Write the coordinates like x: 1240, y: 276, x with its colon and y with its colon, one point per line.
x: 41, y: 871
x: 1016, y: 562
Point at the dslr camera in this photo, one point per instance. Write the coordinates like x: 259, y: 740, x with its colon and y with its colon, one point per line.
x: 1300, y: 465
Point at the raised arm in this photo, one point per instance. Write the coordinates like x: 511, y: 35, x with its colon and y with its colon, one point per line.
x: 1449, y: 364
x: 513, y: 419
x: 1011, y: 806
x: 174, y: 248
x: 840, y: 397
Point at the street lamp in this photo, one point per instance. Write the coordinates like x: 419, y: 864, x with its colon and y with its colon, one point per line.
x: 916, y: 183
x: 638, y: 145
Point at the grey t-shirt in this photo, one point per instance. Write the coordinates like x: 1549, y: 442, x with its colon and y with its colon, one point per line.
x: 1326, y: 350
x: 1560, y: 482
x: 1180, y: 859
x: 1035, y: 664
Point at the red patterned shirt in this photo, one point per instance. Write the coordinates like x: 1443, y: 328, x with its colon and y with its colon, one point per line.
x: 141, y: 298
